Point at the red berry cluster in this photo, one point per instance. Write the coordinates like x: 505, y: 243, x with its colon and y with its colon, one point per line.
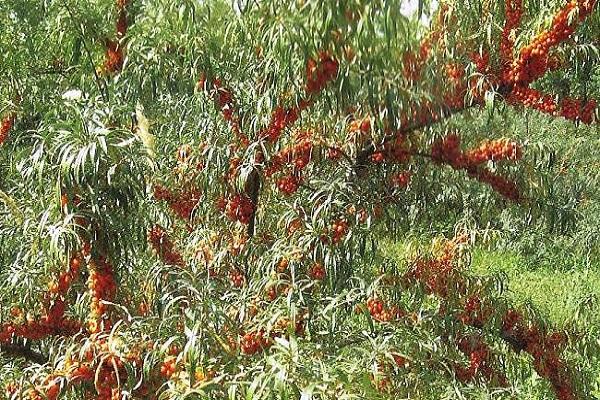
x: 413, y: 63
x: 5, y: 127
x: 53, y: 320
x: 339, y: 230
x: 296, y: 156
x: 499, y: 184
x: 169, y: 366
x: 379, y: 312
x: 455, y: 73
x: 360, y: 125
x: 253, y: 342
x: 182, y: 203
x: 237, y: 208
x: 480, y: 361
x: 543, y: 347
x: 114, y: 56
x: 481, y: 61
x: 280, y: 120
x: 494, y: 150
x: 532, y: 98
x: 320, y: 73
x: 448, y: 151
x: 317, y: 271
x: 426, y: 112
x: 163, y: 246
x: 52, y: 323
x: 571, y: 109
x: 533, y: 58
x: 63, y: 283
x: 288, y: 184
x: 102, y: 286
x: 401, y: 179
x: 236, y: 277
x: 574, y: 110
x: 334, y: 153
x: 395, y: 151
x: 513, y: 10
x: 475, y: 313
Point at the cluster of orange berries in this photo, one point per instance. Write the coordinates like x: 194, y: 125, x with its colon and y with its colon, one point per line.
x: 520, y: 334
x: 513, y: 10
x: 447, y: 150
x: 413, y: 63
x: 298, y: 156
x: 494, y: 150
x: 53, y: 320
x: 379, y: 312
x: 339, y: 230
x: 571, y: 109
x: 281, y: 119
x: 426, y: 112
x: 543, y: 347
x: 114, y: 56
x: 168, y: 368
x: 237, y: 208
x: 532, y: 98
x: 396, y: 151
x: 334, y: 153
x: 533, y: 58
x: 499, y: 184
x: 435, y: 274
x: 400, y: 179
x: 455, y: 73
x: 182, y: 204
x: 163, y: 246
x: 317, y: 271
x: 253, y: 342
x: 5, y: 127
x: 236, y: 277
x: 360, y: 125
x: 102, y: 286
x: 574, y: 110
x: 480, y: 361
x: 320, y: 73
x: 122, y: 24
x: 481, y: 61
x: 52, y: 323
x: 475, y: 313
x: 61, y: 286
x: 288, y: 184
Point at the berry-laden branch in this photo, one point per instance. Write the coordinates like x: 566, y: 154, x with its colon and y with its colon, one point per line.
x: 114, y: 55
x: 440, y: 277
x: 5, y: 127
x: 512, y: 79
x: 243, y: 206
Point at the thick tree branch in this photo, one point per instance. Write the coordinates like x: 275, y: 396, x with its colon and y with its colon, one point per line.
x: 252, y: 190
x: 362, y: 157
x: 21, y: 351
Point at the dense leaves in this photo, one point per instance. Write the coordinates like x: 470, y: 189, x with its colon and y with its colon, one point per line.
x: 192, y: 195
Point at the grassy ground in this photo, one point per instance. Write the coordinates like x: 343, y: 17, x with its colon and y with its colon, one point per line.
x: 560, y: 295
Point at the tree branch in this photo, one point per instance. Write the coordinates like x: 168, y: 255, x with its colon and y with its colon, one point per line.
x: 21, y: 351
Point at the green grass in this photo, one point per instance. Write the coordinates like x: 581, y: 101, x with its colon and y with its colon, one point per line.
x: 563, y: 296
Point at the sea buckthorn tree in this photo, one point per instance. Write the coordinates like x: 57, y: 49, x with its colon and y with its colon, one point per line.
x: 192, y: 195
